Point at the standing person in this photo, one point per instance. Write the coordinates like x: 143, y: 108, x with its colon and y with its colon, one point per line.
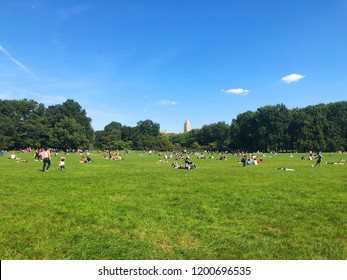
x: 37, y: 155
x: 319, y: 159
x: 46, y: 157
x: 62, y: 164
x: 243, y: 160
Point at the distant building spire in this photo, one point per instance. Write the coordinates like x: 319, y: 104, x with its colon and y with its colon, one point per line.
x: 187, y: 126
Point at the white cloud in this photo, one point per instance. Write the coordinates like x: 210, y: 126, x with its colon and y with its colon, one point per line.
x: 236, y: 91
x: 15, y: 61
x: 167, y: 102
x: 292, y: 78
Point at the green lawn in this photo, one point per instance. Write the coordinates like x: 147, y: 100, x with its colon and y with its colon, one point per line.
x: 140, y: 209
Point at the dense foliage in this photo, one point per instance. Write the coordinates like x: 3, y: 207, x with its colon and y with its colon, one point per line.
x: 320, y: 127
x: 26, y: 123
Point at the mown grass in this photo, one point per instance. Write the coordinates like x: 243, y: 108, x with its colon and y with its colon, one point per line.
x: 140, y: 209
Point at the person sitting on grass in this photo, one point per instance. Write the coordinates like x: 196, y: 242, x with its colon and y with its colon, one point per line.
x: 37, y: 155
x: 189, y: 164
x: 83, y: 160
x: 13, y: 156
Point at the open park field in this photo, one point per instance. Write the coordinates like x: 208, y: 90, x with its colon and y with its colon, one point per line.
x: 139, y: 209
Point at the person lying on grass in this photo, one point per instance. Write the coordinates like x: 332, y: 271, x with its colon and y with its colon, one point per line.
x: 340, y: 162
x: 187, y: 165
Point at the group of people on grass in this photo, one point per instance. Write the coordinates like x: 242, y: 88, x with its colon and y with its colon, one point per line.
x: 311, y: 156
x: 44, y: 155
x: 251, y: 160
x: 113, y: 155
x: 188, y: 164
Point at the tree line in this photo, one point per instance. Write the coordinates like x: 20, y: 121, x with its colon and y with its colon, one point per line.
x: 27, y: 123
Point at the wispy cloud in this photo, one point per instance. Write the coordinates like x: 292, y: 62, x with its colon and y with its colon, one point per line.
x: 66, y: 13
x: 292, y: 78
x: 49, y: 99
x: 21, y: 93
x: 15, y: 61
x: 166, y: 102
x: 236, y: 91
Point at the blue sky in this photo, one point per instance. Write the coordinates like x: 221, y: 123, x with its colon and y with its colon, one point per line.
x: 168, y: 61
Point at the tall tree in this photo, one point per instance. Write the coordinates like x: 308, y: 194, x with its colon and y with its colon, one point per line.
x: 22, y: 123
x: 318, y: 116
x: 243, y: 135
x: 336, y: 133
x: 78, y: 132
x: 148, y: 128
x: 271, y: 129
x: 69, y: 134
x: 215, y: 136
x: 301, y: 131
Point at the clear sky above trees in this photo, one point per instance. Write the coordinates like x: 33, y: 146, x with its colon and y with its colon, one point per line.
x: 168, y: 61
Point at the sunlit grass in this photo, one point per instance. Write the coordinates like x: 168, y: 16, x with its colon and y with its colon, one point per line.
x: 140, y: 209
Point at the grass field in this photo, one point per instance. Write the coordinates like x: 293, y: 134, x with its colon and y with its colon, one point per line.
x: 140, y: 209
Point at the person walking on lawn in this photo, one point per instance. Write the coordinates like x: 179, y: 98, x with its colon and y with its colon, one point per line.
x: 46, y: 157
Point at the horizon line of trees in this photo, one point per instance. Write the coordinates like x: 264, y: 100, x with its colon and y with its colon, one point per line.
x: 27, y: 123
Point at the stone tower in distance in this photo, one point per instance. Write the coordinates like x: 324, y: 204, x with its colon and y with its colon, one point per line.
x: 187, y: 126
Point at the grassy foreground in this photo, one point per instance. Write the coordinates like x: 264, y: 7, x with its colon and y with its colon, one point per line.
x: 140, y: 209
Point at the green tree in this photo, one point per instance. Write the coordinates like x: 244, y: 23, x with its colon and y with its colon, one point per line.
x: 7, y: 132
x: 318, y: 122
x: 22, y: 123
x: 148, y: 128
x: 113, y: 135
x: 68, y: 134
x: 243, y: 135
x: 270, y: 128
x: 78, y: 132
x: 300, y: 130
x: 179, y: 140
x: 336, y: 133
x: 215, y: 136
x: 100, y: 139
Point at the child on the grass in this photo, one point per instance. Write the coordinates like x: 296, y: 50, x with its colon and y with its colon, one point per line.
x: 62, y: 163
